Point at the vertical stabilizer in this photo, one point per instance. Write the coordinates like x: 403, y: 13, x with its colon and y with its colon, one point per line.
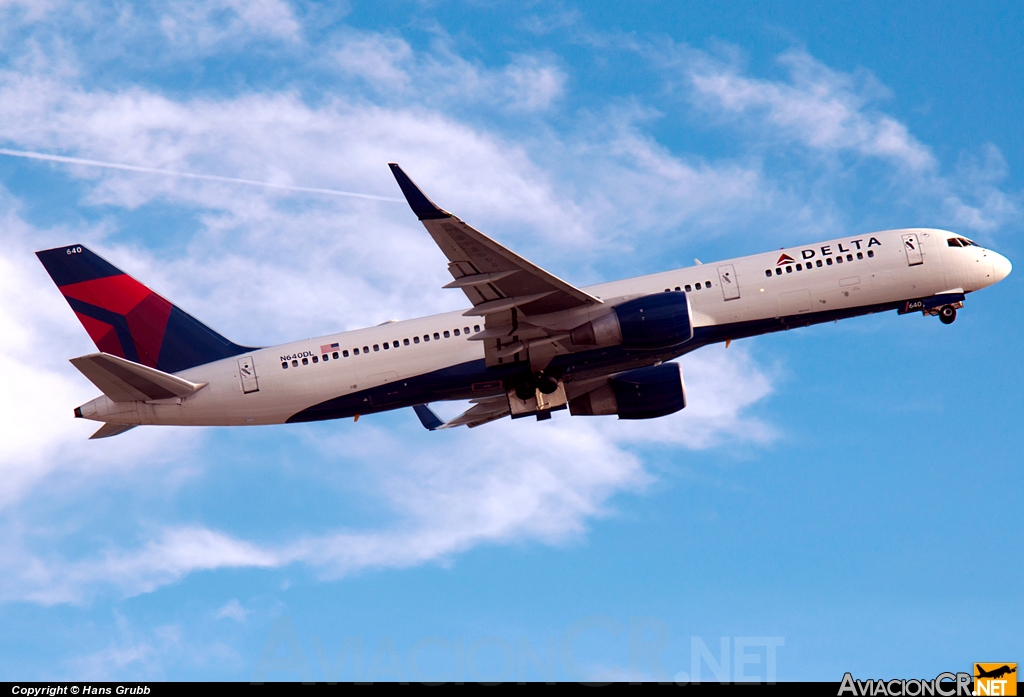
x: 126, y: 319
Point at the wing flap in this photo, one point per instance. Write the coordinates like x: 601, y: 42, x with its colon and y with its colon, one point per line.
x: 484, y: 411
x: 108, y: 430
x: 124, y: 381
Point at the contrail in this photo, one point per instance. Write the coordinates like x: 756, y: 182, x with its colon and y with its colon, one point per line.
x: 189, y: 175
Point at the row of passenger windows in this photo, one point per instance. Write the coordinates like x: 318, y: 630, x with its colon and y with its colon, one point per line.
x: 387, y: 346
x: 687, y: 288
x: 827, y: 262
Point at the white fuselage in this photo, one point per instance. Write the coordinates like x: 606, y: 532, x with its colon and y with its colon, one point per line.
x: 876, y: 270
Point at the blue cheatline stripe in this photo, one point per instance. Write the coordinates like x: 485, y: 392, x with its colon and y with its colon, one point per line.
x: 456, y: 382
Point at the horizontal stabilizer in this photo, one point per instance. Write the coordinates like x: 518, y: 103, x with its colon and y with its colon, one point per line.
x: 108, y: 430
x: 124, y: 381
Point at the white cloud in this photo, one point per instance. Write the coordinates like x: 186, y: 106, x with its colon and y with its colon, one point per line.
x: 232, y: 610
x: 508, y: 481
x: 440, y: 77
x: 206, y: 24
x: 819, y: 107
x: 834, y: 113
x: 263, y: 266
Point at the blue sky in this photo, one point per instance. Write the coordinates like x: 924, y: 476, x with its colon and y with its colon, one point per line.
x: 845, y: 494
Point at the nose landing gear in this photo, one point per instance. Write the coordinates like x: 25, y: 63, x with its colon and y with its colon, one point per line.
x: 947, y: 314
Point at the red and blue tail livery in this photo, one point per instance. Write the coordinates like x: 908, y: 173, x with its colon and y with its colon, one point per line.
x: 530, y: 344
x: 124, y: 318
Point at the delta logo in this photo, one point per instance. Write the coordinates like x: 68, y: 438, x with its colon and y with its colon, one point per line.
x: 995, y: 679
x: 827, y: 251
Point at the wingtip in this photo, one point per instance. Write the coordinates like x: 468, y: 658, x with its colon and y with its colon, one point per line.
x: 427, y: 417
x: 423, y: 207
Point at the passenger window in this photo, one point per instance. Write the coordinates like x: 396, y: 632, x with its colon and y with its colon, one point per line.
x: 426, y: 337
x: 305, y: 361
x: 405, y: 342
x: 415, y: 340
x: 697, y: 286
x: 789, y: 269
x: 436, y: 336
x: 386, y: 346
x: 465, y: 330
x: 799, y: 267
x: 476, y: 327
x: 678, y: 288
x: 295, y: 364
x: 871, y: 253
x: 768, y: 273
x: 849, y: 257
x: 839, y: 259
x: 326, y: 357
x: 284, y: 364
x: 668, y: 290
x: 778, y: 270
x: 818, y: 263
x: 345, y: 353
x: 456, y: 332
x: 315, y: 359
x: 366, y: 349
x: 376, y: 347
x: 860, y: 255
x: 687, y: 288
x: 447, y: 334
x: 828, y: 261
x: 355, y: 351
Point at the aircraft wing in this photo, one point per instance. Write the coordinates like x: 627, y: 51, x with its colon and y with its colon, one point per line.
x: 483, y: 411
x: 493, y: 277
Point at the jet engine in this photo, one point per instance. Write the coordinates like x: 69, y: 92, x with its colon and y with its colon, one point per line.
x: 645, y: 393
x: 653, y: 321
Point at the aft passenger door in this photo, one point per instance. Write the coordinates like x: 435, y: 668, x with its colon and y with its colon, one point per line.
x: 727, y: 279
x: 912, y: 246
x: 247, y: 374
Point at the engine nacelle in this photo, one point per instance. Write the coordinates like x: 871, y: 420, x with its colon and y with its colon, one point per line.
x: 653, y: 321
x: 645, y: 393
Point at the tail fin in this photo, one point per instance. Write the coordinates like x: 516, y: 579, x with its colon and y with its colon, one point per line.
x: 127, y: 319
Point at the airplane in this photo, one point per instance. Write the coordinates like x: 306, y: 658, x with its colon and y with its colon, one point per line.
x: 531, y: 343
x: 995, y: 673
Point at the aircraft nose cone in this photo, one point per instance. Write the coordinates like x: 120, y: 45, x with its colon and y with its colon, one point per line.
x: 1001, y: 267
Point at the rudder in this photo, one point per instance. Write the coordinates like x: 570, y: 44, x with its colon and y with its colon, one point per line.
x: 126, y: 319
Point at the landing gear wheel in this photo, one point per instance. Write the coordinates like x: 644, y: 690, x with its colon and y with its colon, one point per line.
x: 524, y: 391
x: 547, y: 384
x: 947, y: 315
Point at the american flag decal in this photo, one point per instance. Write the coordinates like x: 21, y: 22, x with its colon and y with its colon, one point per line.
x: 327, y: 348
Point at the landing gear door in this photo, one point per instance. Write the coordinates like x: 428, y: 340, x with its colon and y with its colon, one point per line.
x: 727, y: 279
x: 247, y: 374
x: 912, y: 246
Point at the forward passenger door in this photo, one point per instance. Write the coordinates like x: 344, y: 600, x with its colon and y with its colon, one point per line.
x: 727, y: 279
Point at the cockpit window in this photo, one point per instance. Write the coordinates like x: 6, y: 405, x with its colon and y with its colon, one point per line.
x: 953, y: 242
x: 966, y: 242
